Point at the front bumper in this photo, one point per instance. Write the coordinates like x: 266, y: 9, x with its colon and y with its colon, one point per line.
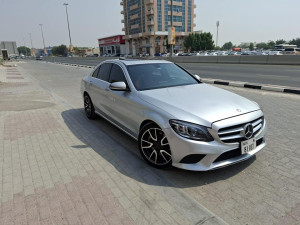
x: 213, y: 152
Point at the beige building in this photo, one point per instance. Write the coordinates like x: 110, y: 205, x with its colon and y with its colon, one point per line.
x: 146, y: 24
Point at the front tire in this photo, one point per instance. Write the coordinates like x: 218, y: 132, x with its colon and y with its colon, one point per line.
x: 89, y: 107
x: 154, y: 146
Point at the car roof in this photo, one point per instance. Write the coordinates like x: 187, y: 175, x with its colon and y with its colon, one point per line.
x: 129, y: 62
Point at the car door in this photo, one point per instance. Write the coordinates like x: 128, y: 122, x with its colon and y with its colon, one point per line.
x: 100, y: 88
x: 91, y: 88
x: 121, y: 107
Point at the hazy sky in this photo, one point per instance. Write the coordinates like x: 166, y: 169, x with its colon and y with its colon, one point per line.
x: 240, y: 20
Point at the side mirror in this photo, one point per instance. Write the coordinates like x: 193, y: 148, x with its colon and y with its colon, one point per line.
x: 118, y: 86
x: 197, y: 77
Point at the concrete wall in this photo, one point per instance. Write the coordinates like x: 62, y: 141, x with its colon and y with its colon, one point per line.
x: 247, y: 59
x: 10, y: 46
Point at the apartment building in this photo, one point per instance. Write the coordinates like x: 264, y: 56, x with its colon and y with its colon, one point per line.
x: 146, y: 24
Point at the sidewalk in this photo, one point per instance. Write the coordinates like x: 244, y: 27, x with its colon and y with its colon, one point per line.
x: 58, y: 168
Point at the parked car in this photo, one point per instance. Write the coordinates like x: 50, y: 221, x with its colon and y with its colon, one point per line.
x: 176, y: 119
x: 275, y: 53
x: 291, y: 51
x: 39, y: 57
x: 157, y: 54
x: 234, y: 53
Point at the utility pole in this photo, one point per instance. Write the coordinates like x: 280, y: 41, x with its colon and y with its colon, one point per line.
x: 66, y: 4
x: 30, y: 40
x: 171, y: 53
x: 218, y: 24
x: 43, y: 35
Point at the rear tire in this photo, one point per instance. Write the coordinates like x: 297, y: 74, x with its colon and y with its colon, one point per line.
x: 89, y: 107
x: 154, y: 146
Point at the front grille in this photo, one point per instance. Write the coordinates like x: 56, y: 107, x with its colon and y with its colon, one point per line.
x: 235, y: 152
x: 233, y: 134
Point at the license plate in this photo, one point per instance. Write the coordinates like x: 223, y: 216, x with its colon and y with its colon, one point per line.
x: 248, y: 146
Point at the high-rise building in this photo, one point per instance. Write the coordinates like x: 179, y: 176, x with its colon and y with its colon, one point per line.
x: 146, y: 24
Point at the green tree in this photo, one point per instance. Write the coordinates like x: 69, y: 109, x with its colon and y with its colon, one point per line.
x: 24, y: 50
x: 262, y: 45
x: 280, y: 41
x: 61, y: 50
x: 207, y: 42
x: 251, y: 46
x: 228, y: 45
x: 198, y: 42
x: 295, y: 42
x: 244, y: 45
x: 271, y: 44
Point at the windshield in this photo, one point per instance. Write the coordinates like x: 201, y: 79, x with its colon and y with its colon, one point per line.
x: 159, y: 75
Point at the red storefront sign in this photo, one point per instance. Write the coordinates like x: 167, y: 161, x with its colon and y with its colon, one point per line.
x: 114, y: 40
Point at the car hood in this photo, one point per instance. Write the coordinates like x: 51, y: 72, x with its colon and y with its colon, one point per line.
x: 200, y: 103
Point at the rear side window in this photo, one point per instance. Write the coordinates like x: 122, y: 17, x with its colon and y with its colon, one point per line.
x: 116, y: 74
x: 104, y: 71
x: 96, y: 72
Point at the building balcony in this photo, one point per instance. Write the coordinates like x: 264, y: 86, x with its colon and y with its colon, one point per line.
x: 175, y: 3
x: 195, y: 6
x: 149, y: 2
x: 121, y: 3
x: 175, y: 13
x: 194, y: 25
x: 150, y: 12
x: 133, y: 7
x: 135, y: 16
x: 123, y: 29
x: 122, y: 12
x: 122, y: 21
x: 175, y: 24
x: 135, y: 26
x: 150, y: 23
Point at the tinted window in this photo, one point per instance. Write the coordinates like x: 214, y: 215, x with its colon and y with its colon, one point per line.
x: 96, y: 72
x: 159, y: 75
x: 116, y: 74
x: 104, y: 71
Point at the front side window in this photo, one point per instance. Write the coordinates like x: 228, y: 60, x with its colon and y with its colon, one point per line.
x: 116, y: 74
x: 96, y: 72
x: 159, y: 75
x: 104, y: 71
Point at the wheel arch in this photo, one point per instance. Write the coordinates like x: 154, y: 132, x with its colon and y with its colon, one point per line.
x: 145, y: 122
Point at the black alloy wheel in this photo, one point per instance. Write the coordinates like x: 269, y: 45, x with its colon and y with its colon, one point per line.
x: 89, y: 107
x: 154, y: 146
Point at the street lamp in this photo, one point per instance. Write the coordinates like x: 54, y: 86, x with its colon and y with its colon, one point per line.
x: 218, y: 24
x: 66, y: 4
x: 43, y: 35
x: 31, y: 40
x: 171, y: 53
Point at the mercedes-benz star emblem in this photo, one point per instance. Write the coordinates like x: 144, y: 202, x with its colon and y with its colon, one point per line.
x: 248, y: 131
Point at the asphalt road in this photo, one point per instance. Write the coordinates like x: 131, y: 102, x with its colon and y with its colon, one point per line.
x: 281, y: 75
x: 262, y: 190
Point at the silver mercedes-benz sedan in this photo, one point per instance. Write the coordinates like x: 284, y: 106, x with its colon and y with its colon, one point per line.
x: 177, y: 119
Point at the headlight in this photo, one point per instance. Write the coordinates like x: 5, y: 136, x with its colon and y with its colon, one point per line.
x: 191, y: 131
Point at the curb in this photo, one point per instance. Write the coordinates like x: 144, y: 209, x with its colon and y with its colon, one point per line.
x: 68, y: 64
x: 290, y: 90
